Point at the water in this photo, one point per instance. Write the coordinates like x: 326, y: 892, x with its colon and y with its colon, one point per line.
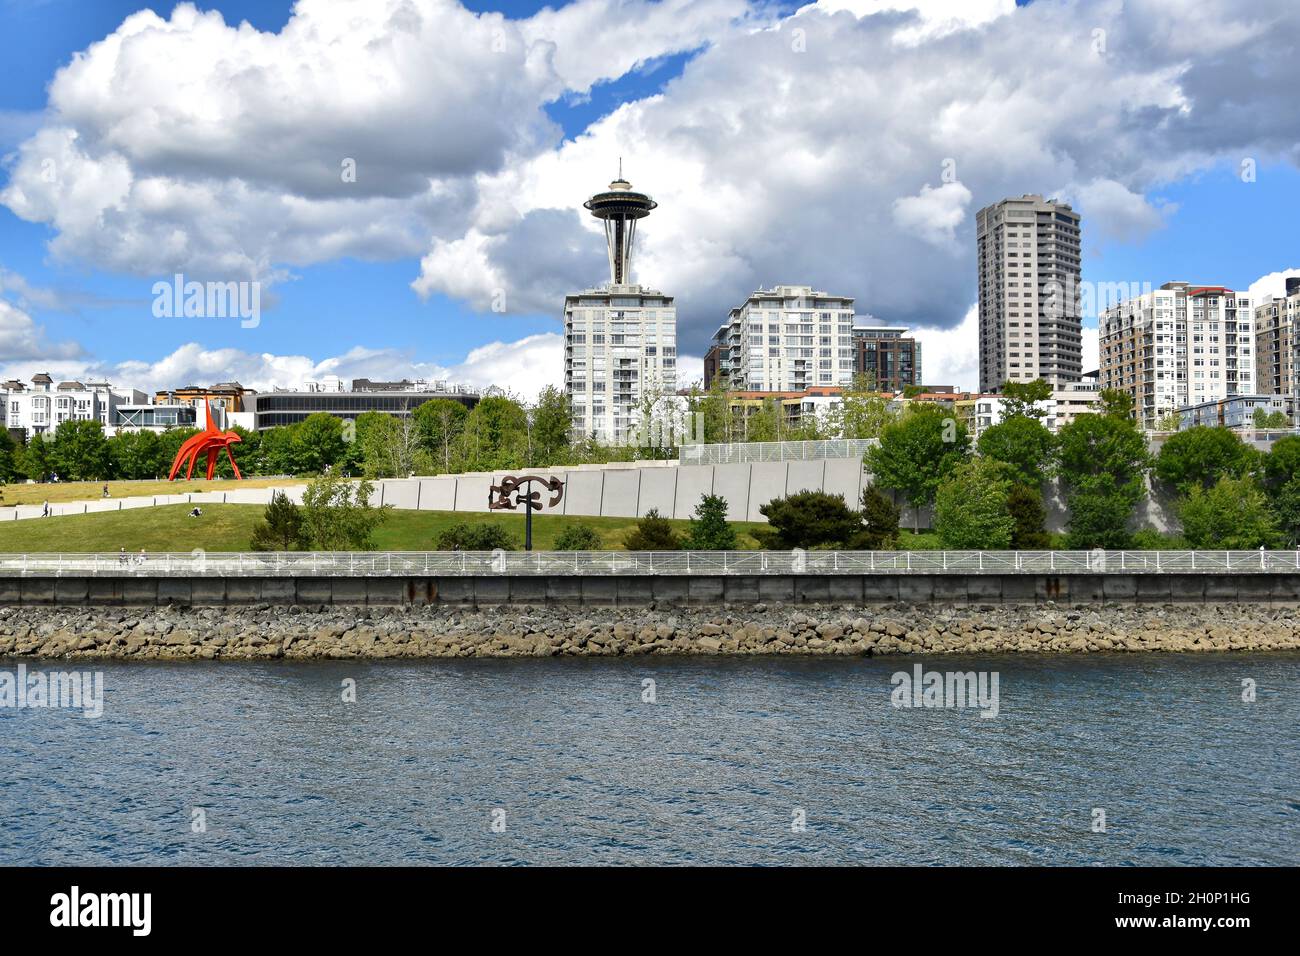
x: 713, y: 772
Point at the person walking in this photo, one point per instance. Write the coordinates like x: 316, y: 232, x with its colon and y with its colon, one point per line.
x: 45, y: 510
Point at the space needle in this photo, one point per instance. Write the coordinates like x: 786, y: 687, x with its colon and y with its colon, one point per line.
x: 620, y: 339
x: 619, y: 207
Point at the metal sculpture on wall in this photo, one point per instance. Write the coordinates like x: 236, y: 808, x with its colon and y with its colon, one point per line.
x: 499, y: 498
x: 210, y: 441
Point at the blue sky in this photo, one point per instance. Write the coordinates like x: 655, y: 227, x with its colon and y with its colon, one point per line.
x: 84, y: 301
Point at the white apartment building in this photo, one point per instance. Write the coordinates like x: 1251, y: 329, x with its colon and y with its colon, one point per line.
x: 787, y: 339
x: 620, y: 341
x: 42, y: 406
x: 620, y: 356
x: 1180, y: 345
x: 1073, y: 399
x: 1029, y: 295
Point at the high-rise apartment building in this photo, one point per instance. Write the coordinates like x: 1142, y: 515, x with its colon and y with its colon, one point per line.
x: 787, y: 339
x: 1179, y: 345
x: 1029, y: 316
x: 1276, y: 319
x: 887, y: 356
x: 620, y: 340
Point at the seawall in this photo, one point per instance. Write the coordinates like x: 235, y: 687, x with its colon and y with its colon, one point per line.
x: 445, y: 631
x: 73, y: 589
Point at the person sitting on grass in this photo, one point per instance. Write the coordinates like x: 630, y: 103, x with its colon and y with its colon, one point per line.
x: 196, y: 512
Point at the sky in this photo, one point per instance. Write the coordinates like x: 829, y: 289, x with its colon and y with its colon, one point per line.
x: 402, y: 180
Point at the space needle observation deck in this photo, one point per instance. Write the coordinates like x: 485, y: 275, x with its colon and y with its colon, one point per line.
x: 620, y: 207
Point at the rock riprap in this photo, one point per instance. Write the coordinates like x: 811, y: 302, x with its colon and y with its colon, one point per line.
x: 171, y: 633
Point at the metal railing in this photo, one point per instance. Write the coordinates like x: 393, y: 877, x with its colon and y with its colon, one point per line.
x: 752, y: 451
x: 606, y: 563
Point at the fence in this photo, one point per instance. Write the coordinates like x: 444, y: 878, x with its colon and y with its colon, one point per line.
x: 702, y: 563
x: 751, y: 451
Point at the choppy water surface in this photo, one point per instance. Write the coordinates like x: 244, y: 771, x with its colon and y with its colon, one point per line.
x: 713, y: 772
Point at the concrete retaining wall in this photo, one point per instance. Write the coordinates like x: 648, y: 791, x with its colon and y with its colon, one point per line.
x: 1147, y: 589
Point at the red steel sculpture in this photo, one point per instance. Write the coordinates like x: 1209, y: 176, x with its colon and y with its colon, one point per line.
x: 211, y: 441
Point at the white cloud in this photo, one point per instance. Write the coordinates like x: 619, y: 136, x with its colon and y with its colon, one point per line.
x: 1117, y: 212
x: 22, y: 339
x: 934, y: 215
x: 189, y: 144
x: 1091, y: 348
x: 949, y: 356
x: 1273, y: 284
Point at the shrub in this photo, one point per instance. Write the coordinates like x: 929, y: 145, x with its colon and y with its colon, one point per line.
x: 970, y: 509
x: 577, y: 537
x: 1149, y: 539
x: 1233, y: 515
x: 879, y: 522
x: 1099, y: 515
x: 808, y: 519
x: 281, y: 526
x: 479, y: 536
x: 337, y: 515
x: 709, y: 530
x: 652, y: 533
x: 1029, y: 517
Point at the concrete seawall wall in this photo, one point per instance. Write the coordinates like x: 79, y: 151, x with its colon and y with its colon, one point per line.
x: 641, y: 590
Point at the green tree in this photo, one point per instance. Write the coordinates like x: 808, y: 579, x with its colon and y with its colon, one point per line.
x: 1282, y: 463
x: 1169, y: 422
x: 1286, y: 505
x: 496, y: 434
x: 714, y: 410
x: 317, y: 443
x: 480, y: 536
x: 970, y: 508
x: 709, y: 530
x: 337, y: 514
x: 862, y: 412
x: 1263, y: 418
x: 652, y: 533
x: 809, y: 519
x: 138, y: 455
x: 1202, y: 455
x: 879, y: 522
x: 1233, y: 515
x: 1103, y: 461
x: 1021, y: 399
x: 34, y: 462
x: 1029, y: 515
x: 79, y: 451
x: 552, y: 421
x: 577, y: 537
x: 1024, y: 445
x: 917, y: 453
x: 441, y: 423
x: 1116, y: 403
x: 1099, y: 515
x: 281, y: 527
x: 9, y: 456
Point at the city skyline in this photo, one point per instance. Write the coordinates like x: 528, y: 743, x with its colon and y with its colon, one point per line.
x: 396, y: 278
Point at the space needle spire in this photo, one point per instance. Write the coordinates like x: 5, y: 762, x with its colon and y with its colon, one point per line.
x: 620, y: 207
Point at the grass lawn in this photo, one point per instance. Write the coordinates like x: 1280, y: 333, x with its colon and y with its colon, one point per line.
x: 229, y: 527
x: 53, y: 492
